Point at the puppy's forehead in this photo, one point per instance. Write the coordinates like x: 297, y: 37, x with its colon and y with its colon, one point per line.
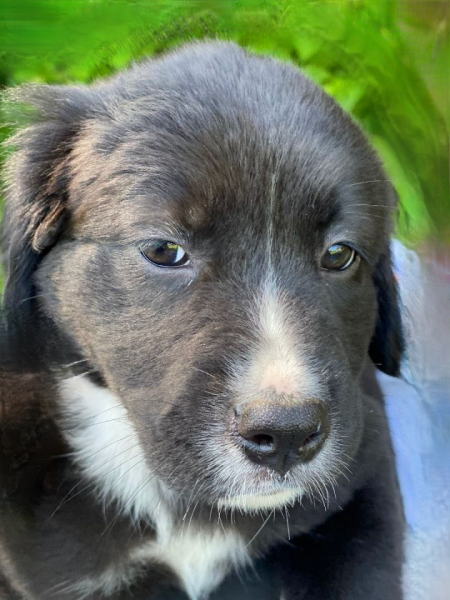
x: 201, y: 155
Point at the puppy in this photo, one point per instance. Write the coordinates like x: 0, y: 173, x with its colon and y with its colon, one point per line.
x: 199, y: 294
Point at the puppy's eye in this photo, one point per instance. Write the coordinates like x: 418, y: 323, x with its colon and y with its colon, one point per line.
x: 338, y: 257
x: 165, y: 254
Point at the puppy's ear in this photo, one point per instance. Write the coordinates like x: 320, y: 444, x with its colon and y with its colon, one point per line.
x: 386, y: 347
x: 36, y: 178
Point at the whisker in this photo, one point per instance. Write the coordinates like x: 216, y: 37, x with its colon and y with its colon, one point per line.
x: 287, y: 523
x: 96, y: 423
x: 190, y: 498
x: 261, y: 528
x: 34, y: 297
x: 372, y: 205
x: 119, y: 513
x: 192, y: 514
x: 205, y: 372
x: 365, y: 182
x: 81, y: 423
x: 74, y: 453
x: 79, y: 375
x: 93, y: 483
x: 76, y: 362
x: 367, y: 217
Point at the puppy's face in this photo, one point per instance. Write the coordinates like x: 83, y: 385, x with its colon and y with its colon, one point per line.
x: 214, y: 262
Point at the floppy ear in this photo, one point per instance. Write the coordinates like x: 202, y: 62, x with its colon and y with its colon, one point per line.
x: 37, y: 175
x: 386, y: 347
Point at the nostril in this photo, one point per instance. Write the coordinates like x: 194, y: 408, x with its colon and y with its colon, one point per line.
x: 264, y: 441
x: 312, y: 439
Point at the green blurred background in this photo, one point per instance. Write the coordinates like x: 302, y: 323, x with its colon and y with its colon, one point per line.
x: 385, y: 61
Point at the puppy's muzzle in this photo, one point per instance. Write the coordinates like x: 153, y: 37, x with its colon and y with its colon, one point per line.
x: 282, y: 432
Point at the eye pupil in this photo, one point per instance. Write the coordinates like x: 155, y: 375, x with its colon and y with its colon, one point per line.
x: 338, y: 257
x: 166, y: 254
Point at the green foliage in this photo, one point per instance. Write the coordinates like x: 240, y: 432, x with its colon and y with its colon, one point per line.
x: 364, y: 52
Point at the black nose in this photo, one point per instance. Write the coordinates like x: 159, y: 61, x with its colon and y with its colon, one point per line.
x: 281, y: 434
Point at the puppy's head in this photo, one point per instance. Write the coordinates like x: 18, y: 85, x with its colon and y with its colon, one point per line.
x: 209, y: 234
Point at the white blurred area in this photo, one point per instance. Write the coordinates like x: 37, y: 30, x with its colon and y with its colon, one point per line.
x: 418, y: 406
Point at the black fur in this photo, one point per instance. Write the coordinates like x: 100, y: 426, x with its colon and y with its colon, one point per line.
x: 228, y: 154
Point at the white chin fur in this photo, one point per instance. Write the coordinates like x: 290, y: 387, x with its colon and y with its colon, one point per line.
x: 256, y: 502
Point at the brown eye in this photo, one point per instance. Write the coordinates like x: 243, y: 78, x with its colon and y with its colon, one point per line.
x: 338, y: 257
x: 165, y: 254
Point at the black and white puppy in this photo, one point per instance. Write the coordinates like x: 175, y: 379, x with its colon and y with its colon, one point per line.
x: 199, y: 276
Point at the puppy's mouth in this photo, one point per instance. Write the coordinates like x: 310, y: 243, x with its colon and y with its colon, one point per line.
x: 244, y: 485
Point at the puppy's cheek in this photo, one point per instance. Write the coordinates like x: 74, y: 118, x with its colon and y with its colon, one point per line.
x: 357, y: 344
x: 357, y: 317
x: 67, y: 293
x: 349, y: 426
x: 176, y: 456
x: 101, y: 318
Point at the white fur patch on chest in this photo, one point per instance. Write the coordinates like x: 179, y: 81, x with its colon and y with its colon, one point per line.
x: 200, y: 557
x: 107, y: 449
